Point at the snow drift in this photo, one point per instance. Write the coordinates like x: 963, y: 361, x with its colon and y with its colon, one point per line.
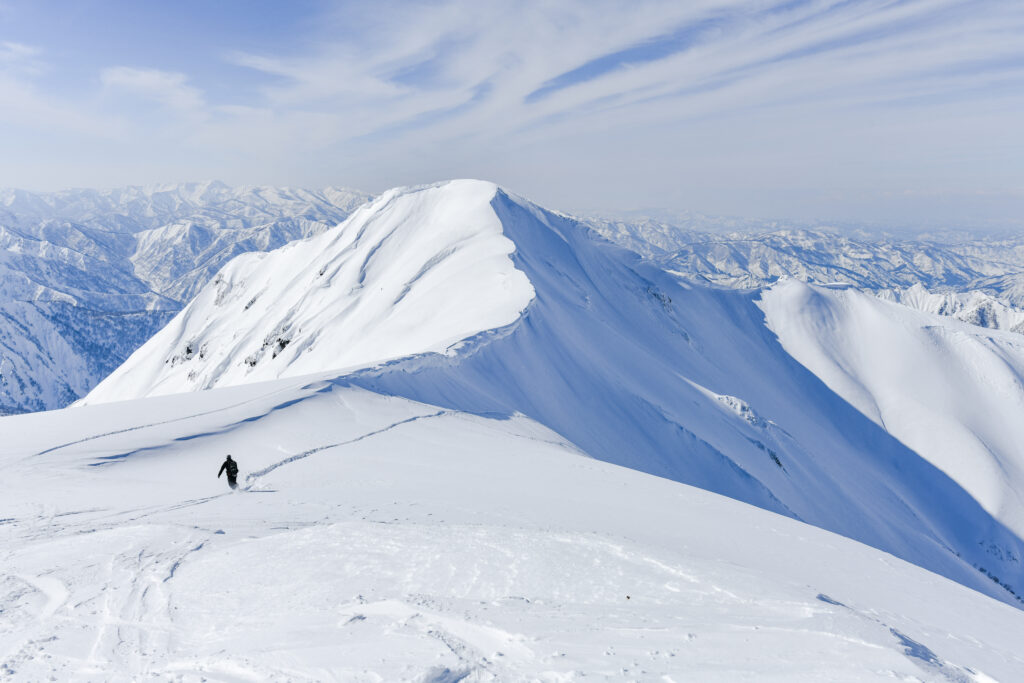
x: 463, y: 296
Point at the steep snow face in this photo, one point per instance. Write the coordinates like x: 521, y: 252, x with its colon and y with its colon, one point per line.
x: 413, y: 272
x: 36, y: 360
x: 688, y: 383
x: 950, y: 391
x: 88, y: 276
x: 375, y: 538
x: 612, y: 352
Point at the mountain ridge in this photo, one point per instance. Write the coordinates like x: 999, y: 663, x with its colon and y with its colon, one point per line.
x: 619, y: 357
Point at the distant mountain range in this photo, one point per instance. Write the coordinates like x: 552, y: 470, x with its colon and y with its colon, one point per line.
x: 87, y: 276
x: 975, y: 278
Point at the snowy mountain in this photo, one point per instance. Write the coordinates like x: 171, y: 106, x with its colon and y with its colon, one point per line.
x: 749, y: 255
x: 974, y: 278
x: 974, y: 307
x: 463, y: 296
x: 388, y: 284
x: 947, y: 390
x: 88, y: 276
x: 375, y: 538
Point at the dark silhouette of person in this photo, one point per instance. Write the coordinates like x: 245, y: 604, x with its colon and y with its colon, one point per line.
x: 231, y: 467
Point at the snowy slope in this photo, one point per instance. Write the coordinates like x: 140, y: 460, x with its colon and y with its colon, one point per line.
x: 611, y: 352
x: 950, y: 391
x: 382, y: 539
x: 87, y: 276
x: 412, y: 272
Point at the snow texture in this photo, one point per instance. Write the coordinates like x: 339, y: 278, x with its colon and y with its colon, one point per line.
x: 376, y: 538
x: 411, y: 272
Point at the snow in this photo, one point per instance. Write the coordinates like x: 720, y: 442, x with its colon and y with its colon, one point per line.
x: 376, y: 538
x: 975, y: 278
x: 469, y: 433
x: 974, y: 307
x: 87, y: 276
x: 950, y: 391
x: 620, y: 358
x: 412, y: 272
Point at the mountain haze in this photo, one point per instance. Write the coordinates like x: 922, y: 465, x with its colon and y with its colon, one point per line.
x: 89, y: 275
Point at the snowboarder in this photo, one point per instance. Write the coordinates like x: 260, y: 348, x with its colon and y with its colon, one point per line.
x: 232, y: 469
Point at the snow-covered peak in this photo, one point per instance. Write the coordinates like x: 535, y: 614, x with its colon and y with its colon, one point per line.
x: 416, y: 271
x: 422, y: 294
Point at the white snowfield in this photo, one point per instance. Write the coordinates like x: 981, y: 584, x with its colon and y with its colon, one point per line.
x: 463, y: 296
x: 379, y: 539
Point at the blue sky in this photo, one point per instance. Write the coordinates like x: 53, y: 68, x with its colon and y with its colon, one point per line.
x: 903, y: 111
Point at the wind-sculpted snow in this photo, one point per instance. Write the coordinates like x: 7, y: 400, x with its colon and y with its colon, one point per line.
x: 88, y: 276
x: 412, y: 272
x: 411, y: 543
x: 948, y: 390
x: 608, y: 350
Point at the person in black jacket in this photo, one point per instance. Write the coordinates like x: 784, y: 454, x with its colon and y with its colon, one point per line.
x: 231, y: 467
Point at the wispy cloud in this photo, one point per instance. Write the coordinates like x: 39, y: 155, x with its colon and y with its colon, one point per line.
x: 169, y: 88
x: 12, y: 54
x: 24, y: 103
x: 652, y: 49
x: 702, y: 100
x: 539, y: 61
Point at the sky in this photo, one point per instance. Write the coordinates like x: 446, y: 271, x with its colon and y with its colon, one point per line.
x: 901, y: 111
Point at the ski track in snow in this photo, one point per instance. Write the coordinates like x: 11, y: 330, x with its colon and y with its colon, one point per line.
x: 183, y: 418
x: 55, y: 591
x: 917, y: 652
x: 255, y: 476
x: 145, y: 587
x: 138, y: 623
